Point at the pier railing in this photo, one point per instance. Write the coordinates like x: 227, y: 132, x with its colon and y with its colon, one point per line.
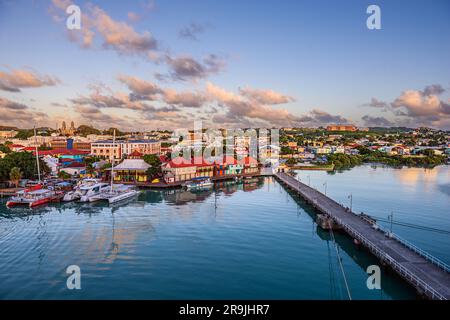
x: 432, y: 293
x: 423, y: 253
x: 407, y: 274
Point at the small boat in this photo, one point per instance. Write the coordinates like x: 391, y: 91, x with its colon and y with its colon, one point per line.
x: 118, y: 193
x: 200, y: 183
x: 34, y: 196
x: 76, y: 193
x: 90, y: 193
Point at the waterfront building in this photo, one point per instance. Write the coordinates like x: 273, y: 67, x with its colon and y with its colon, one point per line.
x: 2, y: 154
x: 204, y: 168
x: 179, y: 169
x: 251, y: 166
x: 132, y: 169
x: 232, y: 166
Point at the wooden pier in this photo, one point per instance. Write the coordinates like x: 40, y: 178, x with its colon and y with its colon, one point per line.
x: 429, y: 275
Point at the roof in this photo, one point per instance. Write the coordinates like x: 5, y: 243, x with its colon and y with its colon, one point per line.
x: 180, y: 162
x: 132, y: 164
x: 16, y: 146
x: 75, y: 165
x: 135, y: 153
x: 62, y: 151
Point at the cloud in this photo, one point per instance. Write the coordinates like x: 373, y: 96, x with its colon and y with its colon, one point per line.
x: 416, y: 103
x: 15, y: 80
x: 376, y: 121
x: 141, y: 89
x: 265, y: 96
x: 421, y: 107
x: 241, y: 108
x: 375, y: 103
x: 118, y: 100
x: 133, y: 17
x: 184, y: 99
x: 18, y: 114
x: 146, y: 90
x: 434, y: 89
x: 322, y: 117
x: 115, y: 35
x: 192, y: 31
x: 187, y: 68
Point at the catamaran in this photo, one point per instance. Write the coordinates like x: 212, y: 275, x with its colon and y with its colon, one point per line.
x: 35, y: 195
x: 116, y: 192
x: 91, y: 193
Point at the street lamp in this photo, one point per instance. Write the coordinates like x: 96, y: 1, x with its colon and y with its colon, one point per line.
x: 325, y: 185
x: 351, y: 201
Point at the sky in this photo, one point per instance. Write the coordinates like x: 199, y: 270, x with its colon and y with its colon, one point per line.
x: 142, y: 65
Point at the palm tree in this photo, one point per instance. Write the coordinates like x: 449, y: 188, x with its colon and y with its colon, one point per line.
x: 15, y: 175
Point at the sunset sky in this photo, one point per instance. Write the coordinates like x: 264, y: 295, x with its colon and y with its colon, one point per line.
x: 142, y: 65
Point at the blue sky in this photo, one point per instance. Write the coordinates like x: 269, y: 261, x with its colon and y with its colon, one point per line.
x: 302, y: 63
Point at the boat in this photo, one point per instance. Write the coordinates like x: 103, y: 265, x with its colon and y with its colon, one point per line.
x: 34, y: 196
x: 76, y: 193
x: 200, y: 183
x: 115, y: 192
x: 91, y: 193
x: 118, y: 193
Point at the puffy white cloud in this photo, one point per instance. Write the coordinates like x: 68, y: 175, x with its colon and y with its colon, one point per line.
x: 17, y: 79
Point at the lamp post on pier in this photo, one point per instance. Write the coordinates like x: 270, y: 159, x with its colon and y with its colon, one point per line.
x: 351, y: 201
x: 325, y: 185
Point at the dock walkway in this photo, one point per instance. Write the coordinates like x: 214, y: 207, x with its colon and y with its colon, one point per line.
x: 429, y: 275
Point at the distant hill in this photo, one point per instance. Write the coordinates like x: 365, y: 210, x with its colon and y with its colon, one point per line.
x: 390, y: 130
x: 8, y: 128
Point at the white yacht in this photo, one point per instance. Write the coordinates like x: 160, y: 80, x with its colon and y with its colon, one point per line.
x: 76, y: 193
x: 91, y: 193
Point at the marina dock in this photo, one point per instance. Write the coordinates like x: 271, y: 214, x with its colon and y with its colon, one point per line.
x: 427, y: 274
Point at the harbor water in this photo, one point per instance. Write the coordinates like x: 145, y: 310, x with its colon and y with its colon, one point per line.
x: 246, y: 240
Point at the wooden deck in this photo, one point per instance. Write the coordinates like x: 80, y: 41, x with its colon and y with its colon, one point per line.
x: 430, y: 276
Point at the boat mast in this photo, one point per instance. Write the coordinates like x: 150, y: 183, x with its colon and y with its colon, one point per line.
x: 112, y: 161
x: 37, y: 155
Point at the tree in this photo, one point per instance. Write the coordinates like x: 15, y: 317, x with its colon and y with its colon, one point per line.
x: 64, y: 175
x: 155, y: 163
x: 15, y: 175
x: 84, y: 130
x: 25, y: 161
x: 4, y: 148
x: 24, y: 134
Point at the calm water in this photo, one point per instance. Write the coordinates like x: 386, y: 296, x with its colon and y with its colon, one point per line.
x: 244, y: 241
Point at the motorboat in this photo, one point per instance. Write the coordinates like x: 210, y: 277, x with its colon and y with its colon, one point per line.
x: 76, y: 193
x: 90, y: 193
x: 200, y: 183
